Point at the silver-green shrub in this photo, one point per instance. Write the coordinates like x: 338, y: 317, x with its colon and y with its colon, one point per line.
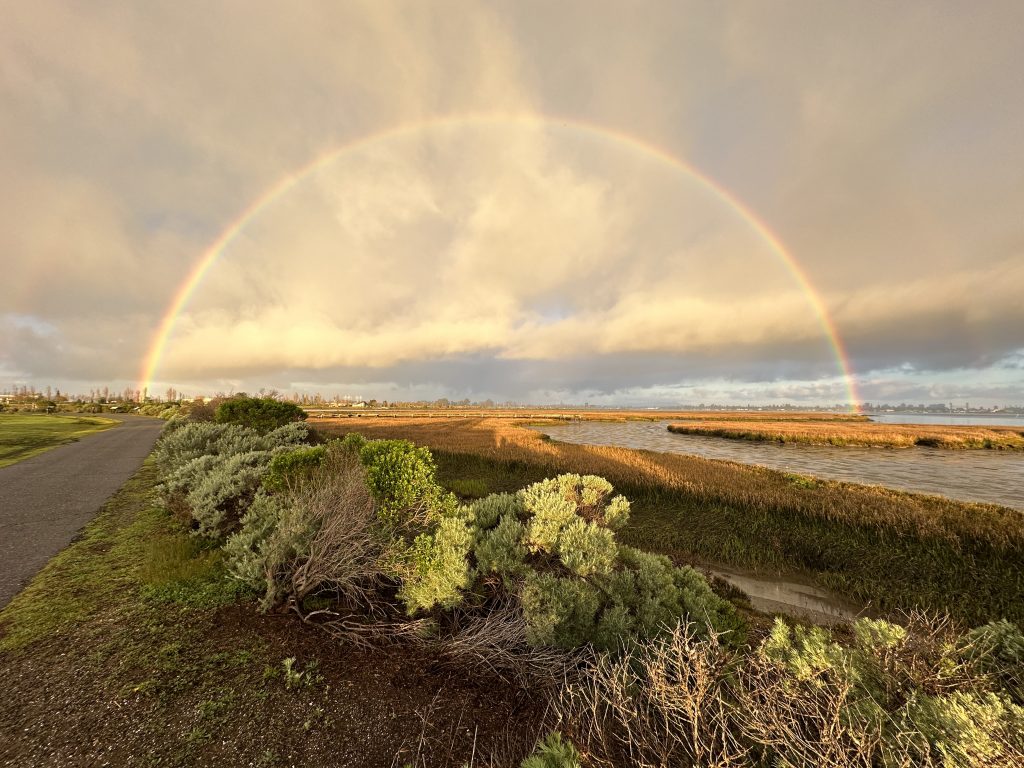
x: 211, y: 472
x: 246, y: 549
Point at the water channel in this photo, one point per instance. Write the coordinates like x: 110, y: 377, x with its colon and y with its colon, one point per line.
x: 969, y: 475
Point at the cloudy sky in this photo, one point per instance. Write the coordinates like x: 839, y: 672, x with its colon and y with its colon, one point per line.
x: 620, y: 203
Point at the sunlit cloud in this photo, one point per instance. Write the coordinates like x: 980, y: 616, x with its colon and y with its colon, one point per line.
x: 523, y: 261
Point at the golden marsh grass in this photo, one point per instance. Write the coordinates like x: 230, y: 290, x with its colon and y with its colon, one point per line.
x: 853, y: 433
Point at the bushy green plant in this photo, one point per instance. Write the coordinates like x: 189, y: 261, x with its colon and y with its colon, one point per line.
x: 259, y: 413
x: 966, y: 728
x: 314, y: 536
x: 353, y: 442
x: 292, y: 466
x: 402, y: 478
x: 553, y: 752
x: 284, y: 548
x: 997, y: 649
x: 182, y: 441
x: 553, y: 544
x: 435, y: 569
x: 805, y: 652
x: 223, y: 493
x: 427, y: 537
x: 214, y: 470
x: 884, y: 702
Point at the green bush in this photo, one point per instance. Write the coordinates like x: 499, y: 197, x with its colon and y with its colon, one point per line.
x: 260, y: 413
x: 246, y: 549
x: 435, y: 569
x: 553, y: 544
x: 965, y: 728
x: 402, y: 478
x: 316, y: 537
x: 182, y: 441
x: 426, y: 536
x: 885, y: 702
x: 293, y: 466
x: 997, y: 649
x: 223, y: 493
x: 353, y: 442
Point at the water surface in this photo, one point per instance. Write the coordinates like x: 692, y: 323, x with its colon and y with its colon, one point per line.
x: 969, y: 475
x: 964, y: 420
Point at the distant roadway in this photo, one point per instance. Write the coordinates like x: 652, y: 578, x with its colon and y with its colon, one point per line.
x: 47, y: 499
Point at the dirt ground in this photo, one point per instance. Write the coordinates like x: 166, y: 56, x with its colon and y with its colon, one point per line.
x: 103, y: 666
x: 219, y: 697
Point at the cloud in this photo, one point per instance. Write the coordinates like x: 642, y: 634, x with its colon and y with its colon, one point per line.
x: 881, y: 143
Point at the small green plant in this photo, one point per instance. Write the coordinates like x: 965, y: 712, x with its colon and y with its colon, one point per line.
x: 402, y: 478
x: 553, y: 545
x: 553, y: 752
x: 294, y: 679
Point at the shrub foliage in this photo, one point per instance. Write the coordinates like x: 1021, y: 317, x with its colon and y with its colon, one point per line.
x: 365, y: 529
x: 553, y: 544
x: 259, y: 413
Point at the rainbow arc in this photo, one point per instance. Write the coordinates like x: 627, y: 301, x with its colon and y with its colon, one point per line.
x: 283, y: 186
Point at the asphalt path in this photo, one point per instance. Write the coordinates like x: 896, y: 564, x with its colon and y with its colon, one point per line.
x: 47, y: 499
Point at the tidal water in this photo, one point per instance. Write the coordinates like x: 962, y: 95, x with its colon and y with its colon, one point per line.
x: 969, y: 475
x: 955, y: 419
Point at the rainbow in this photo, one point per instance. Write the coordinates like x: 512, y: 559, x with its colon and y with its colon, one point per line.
x: 165, y: 330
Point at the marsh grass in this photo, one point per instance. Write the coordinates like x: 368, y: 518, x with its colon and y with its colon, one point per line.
x: 889, y: 549
x: 25, y: 435
x: 468, y: 488
x: 848, y: 433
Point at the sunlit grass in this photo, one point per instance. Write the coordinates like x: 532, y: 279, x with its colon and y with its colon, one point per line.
x: 23, y: 435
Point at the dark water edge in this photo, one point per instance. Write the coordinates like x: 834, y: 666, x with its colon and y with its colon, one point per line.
x: 996, y: 477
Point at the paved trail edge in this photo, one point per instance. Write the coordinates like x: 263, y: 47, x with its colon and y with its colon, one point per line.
x: 47, y: 499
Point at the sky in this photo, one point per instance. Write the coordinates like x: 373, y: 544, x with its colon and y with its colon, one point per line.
x: 629, y: 203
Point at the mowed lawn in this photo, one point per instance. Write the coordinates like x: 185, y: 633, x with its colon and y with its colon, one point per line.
x: 26, y: 434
